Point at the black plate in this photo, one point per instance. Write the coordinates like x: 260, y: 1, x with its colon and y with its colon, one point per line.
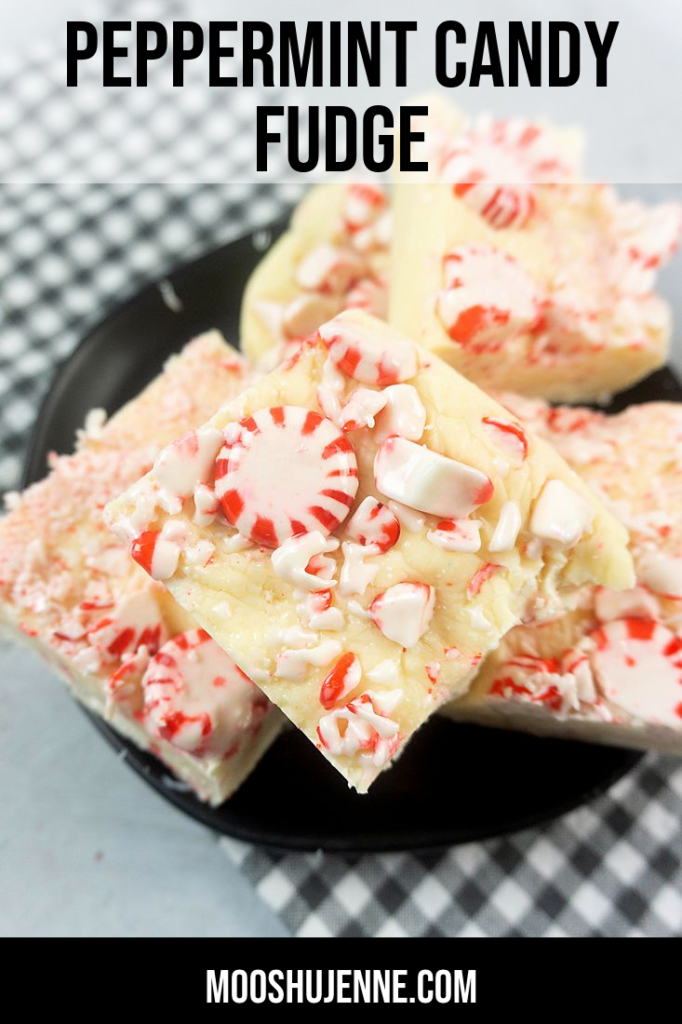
x: 454, y: 783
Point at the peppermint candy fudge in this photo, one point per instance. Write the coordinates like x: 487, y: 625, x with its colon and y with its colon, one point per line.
x: 512, y: 268
x: 126, y: 651
x: 333, y: 256
x: 610, y: 671
x: 382, y: 525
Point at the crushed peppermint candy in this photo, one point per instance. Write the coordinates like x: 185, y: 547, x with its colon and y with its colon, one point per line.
x: 638, y: 667
x: 363, y: 727
x: 373, y: 523
x: 427, y: 481
x: 344, y: 677
x: 457, y: 535
x: 560, y: 515
x: 487, y: 297
x: 403, y: 612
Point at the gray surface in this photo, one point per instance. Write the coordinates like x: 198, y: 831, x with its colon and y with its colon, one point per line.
x: 86, y: 848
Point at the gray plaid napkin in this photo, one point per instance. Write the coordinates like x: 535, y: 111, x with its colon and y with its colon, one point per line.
x: 71, y: 253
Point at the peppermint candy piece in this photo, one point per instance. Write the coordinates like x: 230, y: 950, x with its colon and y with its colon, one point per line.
x: 374, y: 523
x: 403, y: 612
x: 369, y: 294
x: 403, y: 413
x: 135, y: 622
x: 329, y: 270
x: 283, y: 472
x: 344, y: 677
x: 495, y: 169
x: 560, y: 516
x: 396, y: 409
x: 482, y: 576
x: 293, y: 561
x: 488, y: 297
x: 188, y: 462
x: 638, y: 666
x: 367, y: 350
x: 507, y: 530
x: 363, y: 727
x: 364, y: 203
x: 644, y: 239
x: 508, y: 435
x: 636, y: 603
x: 457, y: 535
x: 361, y: 409
x: 661, y: 573
x: 433, y: 483
x: 197, y: 699
x: 157, y: 553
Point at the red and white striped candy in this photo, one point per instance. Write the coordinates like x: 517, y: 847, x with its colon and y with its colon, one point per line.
x: 396, y: 409
x: 329, y: 270
x: 645, y: 239
x: 361, y: 409
x: 638, y: 666
x: 338, y: 683
x: 364, y: 202
x: 363, y: 727
x: 488, y: 297
x: 661, y: 573
x: 374, y: 523
x: 482, y: 576
x: 197, y: 699
x: 403, y: 612
x: 495, y: 167
x: 433, y: 483
x: 509, y: 435
x: 560, y: 515
x: 186, y: 463
x: 368, y: 294
x: 134, y: 623
x: 636, y: 603
x: 376, y: 237
x: 403, y: 414
x: 457, y: 535
x: 283, y: 472
x: 367, y: 350
x: 158, y: 551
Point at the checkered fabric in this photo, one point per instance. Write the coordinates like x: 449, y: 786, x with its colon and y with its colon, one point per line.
x: 612, y: 868
x: 69, y: 254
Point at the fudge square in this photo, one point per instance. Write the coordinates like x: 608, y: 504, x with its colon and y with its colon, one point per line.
x: 383, y: 524
x: 125, y: 649
x: 522, y: 275
x: 610, y: 671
